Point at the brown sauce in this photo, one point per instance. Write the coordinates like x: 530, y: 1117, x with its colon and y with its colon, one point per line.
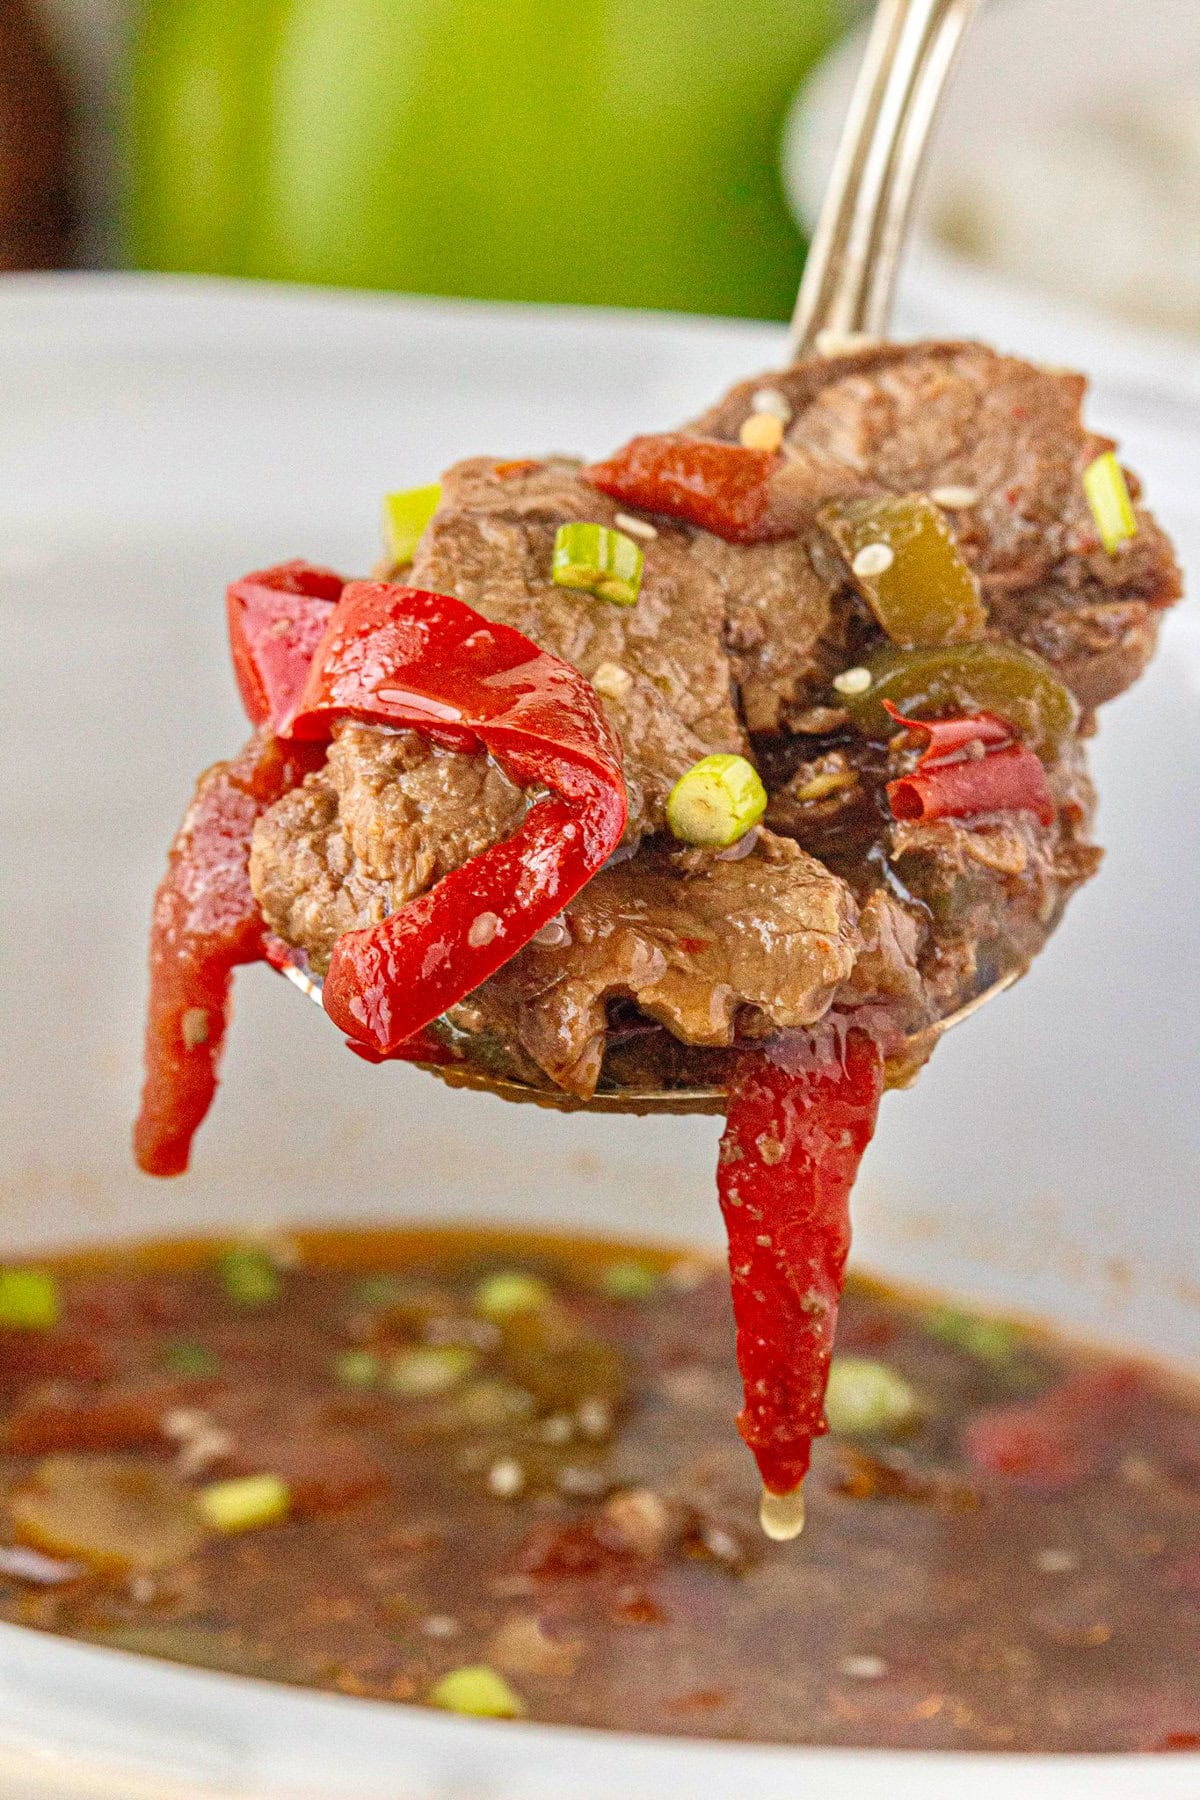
x: 517, y: 1453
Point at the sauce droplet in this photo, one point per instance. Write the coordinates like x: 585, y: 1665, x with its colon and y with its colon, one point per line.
x: 782, y: 1515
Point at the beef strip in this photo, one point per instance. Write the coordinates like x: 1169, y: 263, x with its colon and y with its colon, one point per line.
x: 839, y: 905
x: 936, y: 417
x: 491, y: 544
x: 386, y: 817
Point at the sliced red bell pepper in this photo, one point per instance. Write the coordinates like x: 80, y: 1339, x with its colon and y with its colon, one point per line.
x: 721, y: 487
x: 277, y: 617
x: 793, y: 1141
x: 969, y: 765
x: 206, y: 922
x: 406, y: 659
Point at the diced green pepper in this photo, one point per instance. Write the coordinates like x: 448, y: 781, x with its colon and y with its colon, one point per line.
x: 599, y: 560
x: 405, y: 516
x: 1107, y: 491
x: 244, y: 1503
x: 957, y: 679
x: 867, y: 1396
x: 908, y: 568
x: 478, y: 1691
x: 717, y: 802
x: 249, y: 1276
x: 29, y: 1300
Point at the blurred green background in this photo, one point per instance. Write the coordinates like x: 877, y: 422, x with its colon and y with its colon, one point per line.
x: 619, y: 152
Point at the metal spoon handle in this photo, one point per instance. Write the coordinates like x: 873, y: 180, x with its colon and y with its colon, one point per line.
x: 850, y: 277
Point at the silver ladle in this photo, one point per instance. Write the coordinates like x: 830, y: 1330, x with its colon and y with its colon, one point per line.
x: 846, y: 295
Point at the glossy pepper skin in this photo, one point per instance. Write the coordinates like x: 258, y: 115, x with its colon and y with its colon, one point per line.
x: 406, y: 659
x: 969, y: 766
x: 721, y: 487
x: 800, y: 1118
x: 206, y: 922
x: 276, y: 619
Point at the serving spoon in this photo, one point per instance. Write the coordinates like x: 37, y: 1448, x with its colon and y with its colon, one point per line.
x: 845, y: 298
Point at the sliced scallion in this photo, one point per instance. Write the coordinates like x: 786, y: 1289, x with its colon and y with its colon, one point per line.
x: 867, y: 1396
x: 29, y: 1300
x: 717, y: 802
x: 629, y: 1281
x: 1108, y: 496
x: 479, y: 1691
x: 508, y: 1292
x: 405, y: 516
x: 183, y: 1357
x: 244, y: 1503
x: 249, y: 1276
x: 599, y: 560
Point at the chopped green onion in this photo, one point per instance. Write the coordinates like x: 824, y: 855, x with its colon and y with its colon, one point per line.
x: 1108, y: 496
x: 717, y: 802
x: 29, y: 1300
x: 356, y: 1369
x: 405, y: 516
x: 479, y: 1691
x: 245, y: 1503
x: 183, y: 1357
x: 867, y: 1396
x: 425, y: 1373
x: 990, y: 1340
x: 598, y: 560
x: 249, y: 1276
x: 378, y: 1291
x: 630, y: 1281
x: 510, y: 1291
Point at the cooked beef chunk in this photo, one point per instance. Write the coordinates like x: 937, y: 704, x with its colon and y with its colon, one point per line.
x: 1007, y: 436
x: 667, y: 956
x: 702, y: 946
x: 385, y: 818
x: 491, y: 543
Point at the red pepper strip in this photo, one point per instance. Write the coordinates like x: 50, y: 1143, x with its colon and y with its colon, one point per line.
x: 401, y: 657
x: 948, y: 738
x: 721, y: 487
x: 206, y: 922
x: 1010, y: 780
x: 791, y: 1150
x: 277, y: 618
x: 947, y: 783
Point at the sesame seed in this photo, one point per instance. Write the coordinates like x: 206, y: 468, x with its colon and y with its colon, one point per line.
x: 581, y: 1483
x: 770, y: 400
x: 955, y: 499
x: 873, y: 559
x: 440, y: 1625
x: 484, y: 927
x: 557, y: 1429
x: 761, y: 431
x: 852, y: 681
x: 636, y: 527
x: 595, y: 1418
x: 505, y: 1478
x: 611, y: 680
x: 863, y: 1668
x: 1057, y: 1562
x: 194, y: 1027
x: 844, y: 343
x: 141, y: 1590
x: 554, y: 934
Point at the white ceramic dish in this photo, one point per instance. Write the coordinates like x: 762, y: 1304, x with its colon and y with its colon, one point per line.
x: 157, y: 437
x: 1025, y: 63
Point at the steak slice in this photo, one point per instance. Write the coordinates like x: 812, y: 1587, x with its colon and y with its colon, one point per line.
x: 1005, y: 441
x: 660, y: 666
x: 386, y: 817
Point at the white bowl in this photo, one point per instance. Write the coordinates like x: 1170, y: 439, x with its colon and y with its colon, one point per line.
x: 1025, y: 64
x: 159, y: 436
